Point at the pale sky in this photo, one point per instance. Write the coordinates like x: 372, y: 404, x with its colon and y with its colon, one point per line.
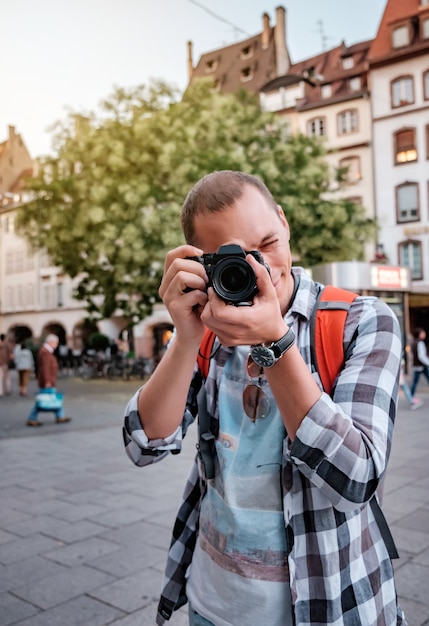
x: 58, y: 56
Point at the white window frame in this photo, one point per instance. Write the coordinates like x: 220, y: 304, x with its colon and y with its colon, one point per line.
x: 402, y: 91
x: 400, y: 37
x: 347, y: 122
x: 410, y: 255
x: 406, y: 209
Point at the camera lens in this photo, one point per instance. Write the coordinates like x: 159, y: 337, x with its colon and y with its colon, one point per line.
x: 234, y: 280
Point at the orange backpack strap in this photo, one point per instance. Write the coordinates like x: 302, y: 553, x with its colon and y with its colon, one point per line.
x: 205, y: 352
x: 327, y: 332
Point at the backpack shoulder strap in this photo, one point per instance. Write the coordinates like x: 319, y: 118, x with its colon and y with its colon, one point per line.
x: 205, y: 352
x: 327, y: 331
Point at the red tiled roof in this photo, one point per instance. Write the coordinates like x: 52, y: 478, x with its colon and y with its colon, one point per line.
x: 231, y: 64
x: 395, y: 12
x: 327, y: 68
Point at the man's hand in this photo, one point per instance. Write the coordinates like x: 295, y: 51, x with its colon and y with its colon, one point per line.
x: 260, y: 322
x: 183, y: 291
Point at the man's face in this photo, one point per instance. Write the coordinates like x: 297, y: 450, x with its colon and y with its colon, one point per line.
x: 253, y: 224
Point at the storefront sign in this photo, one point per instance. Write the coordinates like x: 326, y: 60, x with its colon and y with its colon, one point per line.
x: 387, y: 277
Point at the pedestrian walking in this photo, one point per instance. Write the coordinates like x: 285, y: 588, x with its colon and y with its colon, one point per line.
x: 47, y: 374
x: 415, y: 403
x: 283, y: 530
x: 420, y: 358
x: 6, y: 357
x: 24, y: 362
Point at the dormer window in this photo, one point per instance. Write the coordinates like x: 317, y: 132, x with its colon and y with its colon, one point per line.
x: 211, y: 65
x: 400, y: 37
x: 246, y: 74
x: 348, y: 63
x: 246, y: 52
x: 326, y: 91
x: 425, y: 28
x: 355, y: 84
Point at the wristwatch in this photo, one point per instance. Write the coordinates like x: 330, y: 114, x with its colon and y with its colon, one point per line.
x: 267, y: 356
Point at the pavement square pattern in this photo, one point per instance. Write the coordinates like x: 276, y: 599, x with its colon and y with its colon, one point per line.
x: 84, y: 534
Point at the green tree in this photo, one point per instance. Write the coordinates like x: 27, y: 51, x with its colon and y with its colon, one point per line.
x: 106, y: 207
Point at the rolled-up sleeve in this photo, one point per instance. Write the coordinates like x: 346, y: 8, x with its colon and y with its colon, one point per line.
x: 141, y: 450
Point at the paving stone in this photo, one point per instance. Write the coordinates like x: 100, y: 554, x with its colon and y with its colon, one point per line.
x: 19, y: 573
x: 82, y: 611
x: 413, y: 581
x: 141, y: 532
x: 23, y: 548
x: 128, y: 560
x: 82, y: 551
x: 13, y: 609
x: 133, y: 592
x: 412, y: 542
x: 5, y: 536
x: 54, y: 590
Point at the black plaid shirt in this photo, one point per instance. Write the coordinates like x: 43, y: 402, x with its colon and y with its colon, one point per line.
x: 340, y: 570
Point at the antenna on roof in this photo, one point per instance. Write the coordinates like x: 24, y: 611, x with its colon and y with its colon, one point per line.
x: 323, y: 36
x: 221, y: 19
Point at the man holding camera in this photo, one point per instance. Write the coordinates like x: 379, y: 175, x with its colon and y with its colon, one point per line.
x: 283, y: 533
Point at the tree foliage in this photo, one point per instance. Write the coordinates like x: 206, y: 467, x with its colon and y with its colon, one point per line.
x: 106, y: 207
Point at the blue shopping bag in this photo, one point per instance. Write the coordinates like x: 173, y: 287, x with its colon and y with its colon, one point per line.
x: 49, y: 400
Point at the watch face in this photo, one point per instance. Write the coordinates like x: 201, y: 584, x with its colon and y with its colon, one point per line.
x: 263, y: 356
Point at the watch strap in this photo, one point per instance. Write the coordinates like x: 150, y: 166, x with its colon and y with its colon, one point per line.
x: 281, y: 346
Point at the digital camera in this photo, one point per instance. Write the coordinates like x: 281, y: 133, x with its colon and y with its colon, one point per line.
x: 230, y: 275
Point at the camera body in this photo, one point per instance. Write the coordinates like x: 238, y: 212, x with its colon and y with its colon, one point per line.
x: 230, y: 275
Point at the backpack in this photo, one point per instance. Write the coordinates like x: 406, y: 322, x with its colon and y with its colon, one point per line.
x: 327, y: 355
x: 326, y: 332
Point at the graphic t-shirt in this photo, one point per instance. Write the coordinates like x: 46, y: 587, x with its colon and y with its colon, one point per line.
x: 239, y: 570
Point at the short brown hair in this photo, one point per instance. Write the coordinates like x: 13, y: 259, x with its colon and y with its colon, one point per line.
x: 214, y: 192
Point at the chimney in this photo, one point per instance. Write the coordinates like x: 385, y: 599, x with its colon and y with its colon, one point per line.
x: 282, y: 54
x: 190, y: 62
x: 265, y: 38
x: 11, y: 130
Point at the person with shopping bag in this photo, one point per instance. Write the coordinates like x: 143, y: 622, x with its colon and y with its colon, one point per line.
x: 47, y: 398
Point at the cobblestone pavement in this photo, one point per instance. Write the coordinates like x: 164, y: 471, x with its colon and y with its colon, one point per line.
x: 84, y: 533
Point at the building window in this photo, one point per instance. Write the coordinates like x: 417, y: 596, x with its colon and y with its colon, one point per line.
x: 19, y: 261
x: 246, y: 52
x: 405, y: 145
x: 316, y: 127
x: 60, y: 295
x: 400, y: 37
x: 246, y: 74
x: 30, y: 296
x: 425, y: 28
x: 426, y: 85
x: 326, y: 91
x: 410, y: 255
x: 407, y: 202
x: 352, y: 170
x: 355, y: 84
x: 9, y: 224
x: 9, y: 299
x: 211, y: 65
x: 402, y: 91
x: 9, y: 263
x: 427, y: 141
x: 348, y: 63
x: 424, y: 3
x: 347, y: 122
x: 19, y: 298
